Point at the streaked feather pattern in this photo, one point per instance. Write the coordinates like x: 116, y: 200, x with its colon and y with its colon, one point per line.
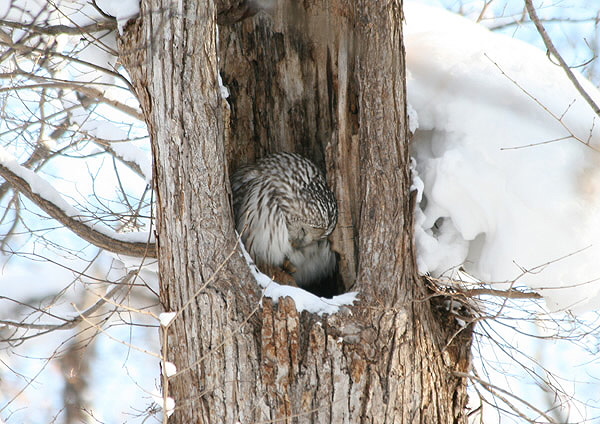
x: 284, y: 212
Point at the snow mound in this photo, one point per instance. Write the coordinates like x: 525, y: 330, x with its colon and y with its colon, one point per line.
x: 506, y: 151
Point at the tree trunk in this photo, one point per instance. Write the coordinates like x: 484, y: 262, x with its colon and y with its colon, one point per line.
x: 326, y: 79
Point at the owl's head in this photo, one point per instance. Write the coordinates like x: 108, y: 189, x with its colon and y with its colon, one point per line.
x: 301, y: 234
x: 315, y: 215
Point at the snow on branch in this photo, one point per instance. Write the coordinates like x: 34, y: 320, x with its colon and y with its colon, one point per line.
x: 83, y: 88
x: 47, y: 198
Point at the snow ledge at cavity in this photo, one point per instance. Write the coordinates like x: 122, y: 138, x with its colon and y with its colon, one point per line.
x: 305, y: 301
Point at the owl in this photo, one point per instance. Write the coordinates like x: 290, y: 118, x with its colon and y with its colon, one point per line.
x: 284, y: 212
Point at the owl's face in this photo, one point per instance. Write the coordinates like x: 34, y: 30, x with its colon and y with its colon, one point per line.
x: 313, y: 216
x: 301, y: 235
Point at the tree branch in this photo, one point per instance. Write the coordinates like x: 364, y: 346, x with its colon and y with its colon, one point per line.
x: 493, y: 389
x: 509, y: 294
x: 71, y: 323
x: 28, y: 50
x: 551, y: 49
x: 558, y: 118
x: 99, y: 235
x: 61, y: 29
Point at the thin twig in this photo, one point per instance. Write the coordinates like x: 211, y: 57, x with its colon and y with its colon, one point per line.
x: 495, y: 389
x: 552, y: 50
x: 82, y: 315
x: 103, y: 331
x: 558, y: 119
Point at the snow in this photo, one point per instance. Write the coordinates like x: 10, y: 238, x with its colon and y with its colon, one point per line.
x: 170, y: 369
x: 510, y: 189
x: 123, y: 10
x: 413, y: 118
x: 131, y: 153
x: 165, y: 318
x: 305, y: 301
x: 223, y: 88
x: 167, y: 404
x: 4, y: 8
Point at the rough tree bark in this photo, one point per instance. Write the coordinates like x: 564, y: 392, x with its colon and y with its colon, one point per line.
x: 324, y: 78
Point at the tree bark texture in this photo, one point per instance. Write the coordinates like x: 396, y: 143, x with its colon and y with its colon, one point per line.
x: 325, y: 79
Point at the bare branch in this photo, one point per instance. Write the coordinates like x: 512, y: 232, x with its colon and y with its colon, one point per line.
x: 77, y: 224
x: 61, y: 29
x: 497, y: 391
x: 100, y: 97
x: 509, y: 294
x: 81, y: 87
x: 509, y: 21
x: 15, y: 204
x: 29, y: 382
x: 68, y: 324
x: 28, y: 50
x: 103, y: 331
x: 558, y: 119
x: 107, y: 146
x: 552, y: 49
